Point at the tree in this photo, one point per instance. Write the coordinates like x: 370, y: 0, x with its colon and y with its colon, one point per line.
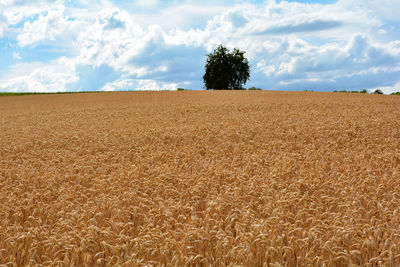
x: 226, y: 70
x: 379, y: 92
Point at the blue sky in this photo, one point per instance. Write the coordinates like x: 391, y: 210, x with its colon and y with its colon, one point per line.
x: 48, y: 46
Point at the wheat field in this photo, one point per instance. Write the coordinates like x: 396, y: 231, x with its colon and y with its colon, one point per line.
x: 207, y: 178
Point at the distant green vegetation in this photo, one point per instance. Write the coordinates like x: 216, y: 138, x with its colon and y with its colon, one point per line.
x: 9, y: 94
x: 378, y: 92
x: 183, y: 89
x: 178, y: 89
x: 364, y: 91
x: 36, y: 93
x: 52, y: 93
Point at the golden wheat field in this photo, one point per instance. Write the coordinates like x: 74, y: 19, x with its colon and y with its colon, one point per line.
x: 201, y: 178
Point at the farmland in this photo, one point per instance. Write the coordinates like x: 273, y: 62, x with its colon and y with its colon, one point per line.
x: 205, y: 178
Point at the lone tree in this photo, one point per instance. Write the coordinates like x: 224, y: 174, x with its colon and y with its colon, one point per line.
x: 226, y: 69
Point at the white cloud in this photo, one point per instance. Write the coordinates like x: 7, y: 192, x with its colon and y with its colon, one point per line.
x: 385, y: 9
x: 151, y: 85
x: 16, y: 56
x: 49, y: 27
x: 147, y: 3
x: 184, y: 16
x: 3, y: 18
x: 15, y: 13
x: 111, y: 40
x: 39, y: 77
x: 121, y: 84
x: 298, y: 58
x: 2, y: 26
x: 387, y: 89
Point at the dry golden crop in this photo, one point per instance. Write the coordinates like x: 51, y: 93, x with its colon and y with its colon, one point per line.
x: 200, y: 179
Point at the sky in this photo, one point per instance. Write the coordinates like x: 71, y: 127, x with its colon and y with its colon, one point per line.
x: 90, y: 45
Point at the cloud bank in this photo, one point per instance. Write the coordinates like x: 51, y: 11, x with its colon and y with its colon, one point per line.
x: 160, y: 45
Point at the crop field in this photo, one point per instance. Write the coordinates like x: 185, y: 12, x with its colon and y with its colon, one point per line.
x: 206, y: 178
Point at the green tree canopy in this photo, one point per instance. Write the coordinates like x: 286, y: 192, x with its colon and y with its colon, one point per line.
x: 226, y: 70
